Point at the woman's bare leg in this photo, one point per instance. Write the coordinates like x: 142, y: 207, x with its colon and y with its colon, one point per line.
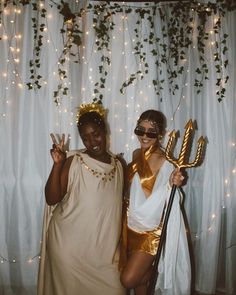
x: 141, y: 290
x: 137, y: 271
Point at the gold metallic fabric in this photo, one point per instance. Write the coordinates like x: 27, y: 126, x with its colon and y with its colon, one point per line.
x: 143, y: 241
x: 131, y: 240
x: 141, y: 166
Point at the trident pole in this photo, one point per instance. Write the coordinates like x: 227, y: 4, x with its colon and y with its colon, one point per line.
x: 181, y: 162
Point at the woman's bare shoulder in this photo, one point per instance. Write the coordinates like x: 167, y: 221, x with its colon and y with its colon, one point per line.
x: 159, y: 153
x: 157, y: 160
x: 136, y: 153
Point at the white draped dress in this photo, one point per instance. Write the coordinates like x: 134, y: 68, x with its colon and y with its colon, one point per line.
x: 145, y: 214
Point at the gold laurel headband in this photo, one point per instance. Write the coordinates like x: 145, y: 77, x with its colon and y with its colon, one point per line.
x: 90, y: 107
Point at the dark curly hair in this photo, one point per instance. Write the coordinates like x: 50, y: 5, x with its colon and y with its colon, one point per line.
x: 91, y: 117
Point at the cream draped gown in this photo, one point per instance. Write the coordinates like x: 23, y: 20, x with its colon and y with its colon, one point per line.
x: 79, y: 254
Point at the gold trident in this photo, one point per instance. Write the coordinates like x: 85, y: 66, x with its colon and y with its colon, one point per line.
x: 182, y: 161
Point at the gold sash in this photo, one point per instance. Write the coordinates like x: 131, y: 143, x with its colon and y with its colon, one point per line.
x: 141, y: 166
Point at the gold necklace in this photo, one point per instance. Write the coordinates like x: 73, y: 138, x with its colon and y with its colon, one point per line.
x: 103, y: 175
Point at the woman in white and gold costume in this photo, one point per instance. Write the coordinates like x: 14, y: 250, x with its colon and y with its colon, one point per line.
x: 82, y: 221
x: 150, y: 178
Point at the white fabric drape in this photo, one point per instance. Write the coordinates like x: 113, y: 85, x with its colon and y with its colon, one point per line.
x: 27, y: 118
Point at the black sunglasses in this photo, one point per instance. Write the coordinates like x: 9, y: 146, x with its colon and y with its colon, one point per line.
x: 140, y: 132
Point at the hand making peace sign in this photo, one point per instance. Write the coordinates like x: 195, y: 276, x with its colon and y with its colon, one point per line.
x: 58, y: 152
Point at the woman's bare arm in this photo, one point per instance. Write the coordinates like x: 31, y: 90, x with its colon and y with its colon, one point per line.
x: 56, y: 185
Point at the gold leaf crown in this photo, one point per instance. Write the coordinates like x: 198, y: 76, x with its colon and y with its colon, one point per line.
x: 90, y: 107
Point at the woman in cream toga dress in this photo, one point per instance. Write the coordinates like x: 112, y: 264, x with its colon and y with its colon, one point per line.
x: 81, y: 232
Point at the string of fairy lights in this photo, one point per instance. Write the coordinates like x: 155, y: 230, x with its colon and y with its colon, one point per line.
x: 11, y: 74
x: 29, y: 260
x: 13, y: 59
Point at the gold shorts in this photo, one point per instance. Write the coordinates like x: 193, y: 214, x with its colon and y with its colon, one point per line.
x: 147, y: 241
x: 131, y: 240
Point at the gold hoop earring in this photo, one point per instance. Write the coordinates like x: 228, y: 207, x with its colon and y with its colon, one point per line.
x: 160, y: 137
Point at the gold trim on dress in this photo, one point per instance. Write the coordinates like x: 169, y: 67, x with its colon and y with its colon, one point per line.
x: 105, y: 176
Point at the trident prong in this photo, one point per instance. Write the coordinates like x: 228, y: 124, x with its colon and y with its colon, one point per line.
x: 199, y: 153
x: 182, y: 161
x: 170, y: 147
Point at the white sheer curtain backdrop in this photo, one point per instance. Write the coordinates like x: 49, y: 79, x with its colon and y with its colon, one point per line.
x: 28, y: 117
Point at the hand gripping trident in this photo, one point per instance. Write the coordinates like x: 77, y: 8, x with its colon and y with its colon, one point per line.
x: 181, y: 163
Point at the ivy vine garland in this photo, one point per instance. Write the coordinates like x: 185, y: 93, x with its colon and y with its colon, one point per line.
x: 170, y: 49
